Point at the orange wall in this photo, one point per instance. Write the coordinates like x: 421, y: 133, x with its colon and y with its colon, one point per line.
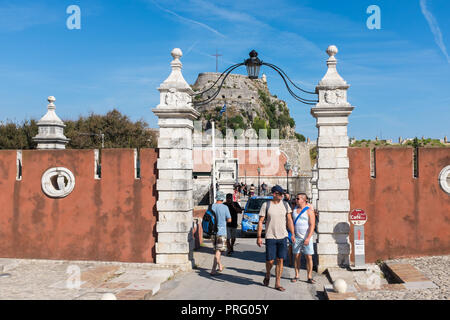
x: 407, y: 216
x: 111, y: 219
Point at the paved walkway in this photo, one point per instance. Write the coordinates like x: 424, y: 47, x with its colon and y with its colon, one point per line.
x: 436, y: 268
x: 241, y: 280
x: 78, y: 280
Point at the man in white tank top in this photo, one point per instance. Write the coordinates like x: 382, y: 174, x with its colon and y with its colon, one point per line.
x: 304, y: 223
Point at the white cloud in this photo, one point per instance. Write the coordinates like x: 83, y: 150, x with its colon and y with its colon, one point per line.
x: 434, y: 28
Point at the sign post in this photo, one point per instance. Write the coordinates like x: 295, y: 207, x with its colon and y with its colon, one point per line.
x: 358, y: 218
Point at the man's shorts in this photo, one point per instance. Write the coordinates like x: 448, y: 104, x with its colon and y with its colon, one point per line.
x: 298, y: 246
x: 219, y: 243
x: 231, y: 233
x: 276, y: 248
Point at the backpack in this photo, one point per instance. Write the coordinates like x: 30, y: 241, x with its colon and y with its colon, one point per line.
x: 209, y: 222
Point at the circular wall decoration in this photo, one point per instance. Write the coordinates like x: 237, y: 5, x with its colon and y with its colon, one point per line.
x: 58, y: 182
x: 444, y: 179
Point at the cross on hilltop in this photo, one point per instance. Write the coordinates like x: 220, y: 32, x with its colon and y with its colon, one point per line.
x: 217, y: 60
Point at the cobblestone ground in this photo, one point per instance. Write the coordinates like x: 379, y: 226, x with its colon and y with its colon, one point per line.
x: 57, y: 280
x: 436, y: 268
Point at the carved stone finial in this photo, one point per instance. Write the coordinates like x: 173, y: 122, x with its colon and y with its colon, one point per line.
x: 175, y: 80
x: 176, y: 53
x: 51, y: 129
x: 332, y: 79
x: 51, y: 104
x: 332, y: 50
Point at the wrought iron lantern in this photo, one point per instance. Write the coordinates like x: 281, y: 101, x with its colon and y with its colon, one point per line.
x: 253, y: 65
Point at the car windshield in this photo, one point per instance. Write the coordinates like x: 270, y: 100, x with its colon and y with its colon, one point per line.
x: 254, y: 205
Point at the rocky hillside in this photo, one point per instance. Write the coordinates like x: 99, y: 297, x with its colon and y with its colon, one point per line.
x: 249, y: 105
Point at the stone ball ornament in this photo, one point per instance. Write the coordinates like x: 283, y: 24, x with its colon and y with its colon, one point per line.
x: 176, y: 53
x: 58, y: 182
x: 340, y: 286
x: 108, y: 296
x: 332, y: 50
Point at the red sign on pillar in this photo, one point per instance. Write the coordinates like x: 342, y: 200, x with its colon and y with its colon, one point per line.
x: 358, y: 217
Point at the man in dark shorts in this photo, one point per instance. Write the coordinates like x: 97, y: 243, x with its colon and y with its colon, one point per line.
x: 276, y: 234
x: 235, y: 209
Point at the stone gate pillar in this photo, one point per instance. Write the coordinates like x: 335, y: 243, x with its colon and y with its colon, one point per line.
x: 175, y: 163
x: 333, y: 204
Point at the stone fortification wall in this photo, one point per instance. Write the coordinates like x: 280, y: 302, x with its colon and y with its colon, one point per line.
x: 111, y: 218
x: 407, y: 216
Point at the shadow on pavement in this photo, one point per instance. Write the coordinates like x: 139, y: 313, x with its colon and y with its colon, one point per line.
x: 224, y: 277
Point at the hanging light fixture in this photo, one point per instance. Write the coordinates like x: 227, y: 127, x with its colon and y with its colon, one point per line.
x: 253, y: 65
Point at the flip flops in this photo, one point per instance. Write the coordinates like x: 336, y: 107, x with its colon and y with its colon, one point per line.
x: 294, y: 279
x: 266, y: 281
x: 280, y: 288
x: 311, y: 280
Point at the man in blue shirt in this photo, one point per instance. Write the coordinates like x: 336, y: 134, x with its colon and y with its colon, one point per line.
x: 220, y: 239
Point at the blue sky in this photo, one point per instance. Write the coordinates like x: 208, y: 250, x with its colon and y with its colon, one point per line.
x: 399, y: 75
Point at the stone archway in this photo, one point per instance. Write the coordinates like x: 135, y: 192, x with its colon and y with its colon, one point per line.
x: 175, y: 164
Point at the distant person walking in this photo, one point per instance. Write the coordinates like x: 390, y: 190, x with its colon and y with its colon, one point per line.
x: 236, y: 194
x: 235, y: 209
x: 304, y: 216
x: 287, y: 198
x: 252, y: 190
x: 277, y: 217
x: 264, y: 188
x: 219, y: 240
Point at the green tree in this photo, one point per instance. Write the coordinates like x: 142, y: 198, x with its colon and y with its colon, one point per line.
x: 18, y: 136
x: 85, y: 133
x: 300, y: 137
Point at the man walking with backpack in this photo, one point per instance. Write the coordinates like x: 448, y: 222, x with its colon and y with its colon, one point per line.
x: 219, y: 237
x: 277, y: 215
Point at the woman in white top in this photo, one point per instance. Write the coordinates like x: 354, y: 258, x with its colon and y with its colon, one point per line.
x: 304, y: 223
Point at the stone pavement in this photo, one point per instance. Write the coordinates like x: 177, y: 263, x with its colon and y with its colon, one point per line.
x: 424, y: 278
x: 435, y: 269
x: 241, y: 279
x: 79, y: 280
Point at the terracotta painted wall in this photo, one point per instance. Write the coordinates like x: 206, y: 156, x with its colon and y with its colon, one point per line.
x: 271, y: 162
x: 111, y: 219
x: 407, y: 216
